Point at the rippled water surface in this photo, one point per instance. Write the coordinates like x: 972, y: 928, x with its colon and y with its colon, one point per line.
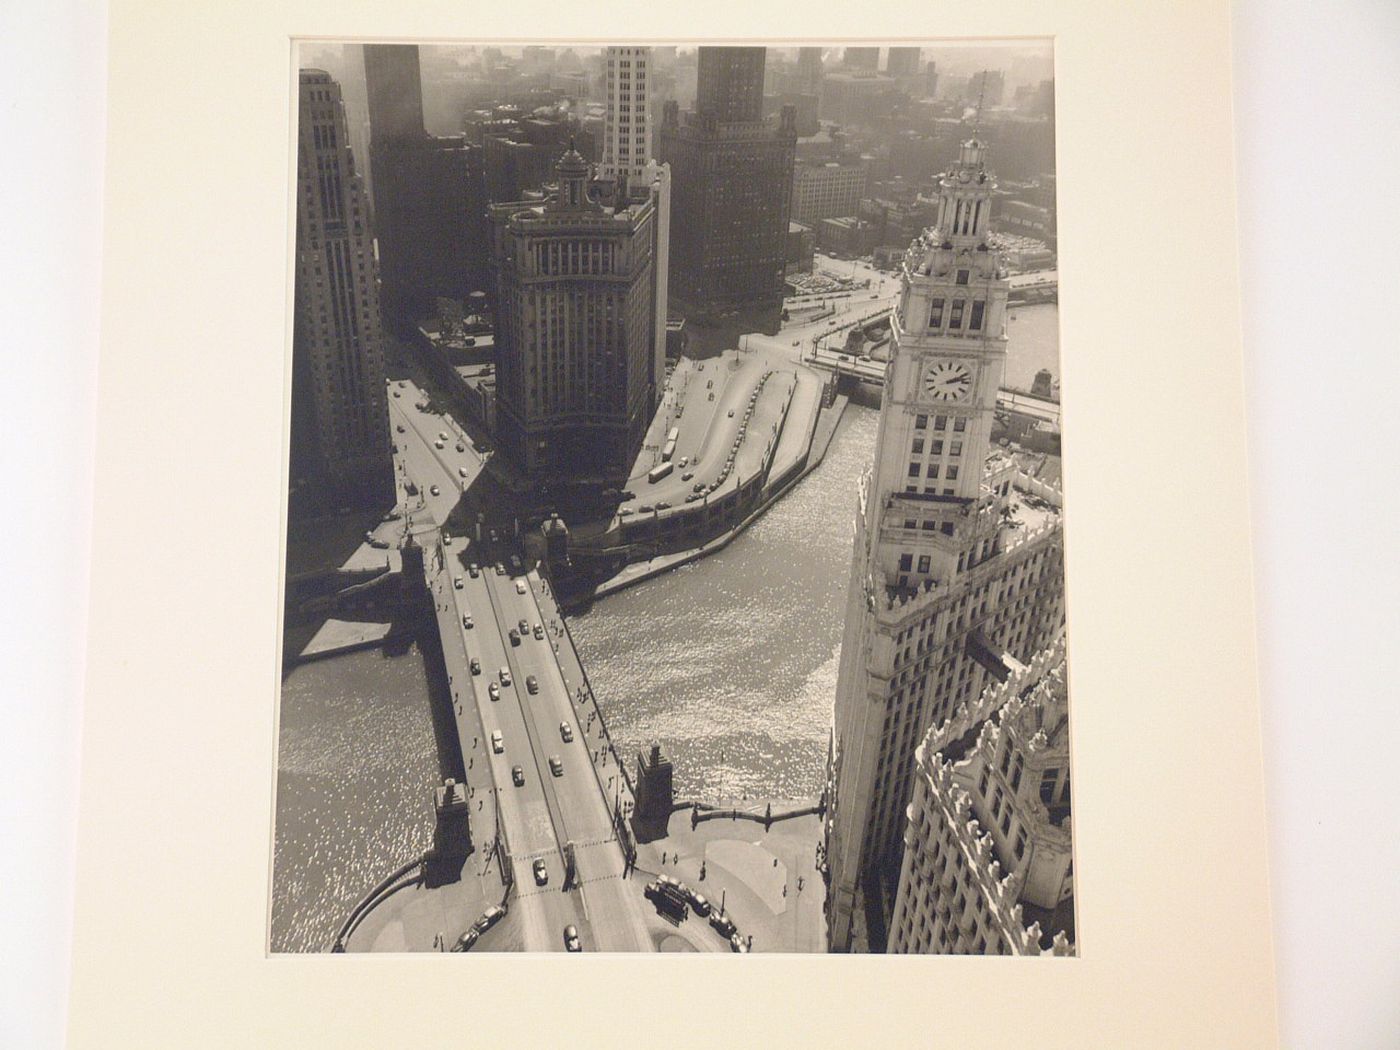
x: 730, y: 662
x: 356, y: 766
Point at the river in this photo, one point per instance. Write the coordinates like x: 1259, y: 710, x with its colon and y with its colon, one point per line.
x: 729, y: 663
x: 356, y: 765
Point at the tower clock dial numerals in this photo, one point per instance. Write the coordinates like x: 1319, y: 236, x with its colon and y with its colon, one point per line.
x: 948, y: 381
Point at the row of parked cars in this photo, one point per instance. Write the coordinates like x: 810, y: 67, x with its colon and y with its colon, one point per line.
x: 700, y: 491
x: 672, y: 896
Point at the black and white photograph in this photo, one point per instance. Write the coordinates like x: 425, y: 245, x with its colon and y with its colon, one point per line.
x: 512, y: 493
x: 675, y: 514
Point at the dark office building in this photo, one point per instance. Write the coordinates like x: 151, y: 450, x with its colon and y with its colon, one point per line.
x: 429, y: 198
x: 729, y: 84
x: 340, y: 416
x: 902, y: 62
x: 576, y: 380
x: 866, y: 58
x: 731, y: 186
x: 520, y: 155
x: 809, y: 70
x: 394, y: 87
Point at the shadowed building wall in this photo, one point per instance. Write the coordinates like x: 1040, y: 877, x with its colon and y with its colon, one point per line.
x: 339, y: 409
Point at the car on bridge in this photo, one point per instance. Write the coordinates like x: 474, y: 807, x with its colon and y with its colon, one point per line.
x: 566, y: 732
x: 438, y: 444
x: 505, y: 676
x: 738, y: 944
x: 524, y: 626
x: 571, y: 941
x: 498, y: 743
x: 463, y: 472
x: 722, y: 924
x: 517, y: 776
x: 532, y: 684
x: 539, y: 633
x: 541, y: 872
x: 698, y: 901
x: 493, y: 691
x: 467, y: 622
x: 474, y: 570
x: 490, y: 917
x: 514, y: 636
x: 435, y: 491
x: 457, y: 582
x: 556, y: 765
x: 520, y: 587
x: 476, y: 665
x: 465, y: 942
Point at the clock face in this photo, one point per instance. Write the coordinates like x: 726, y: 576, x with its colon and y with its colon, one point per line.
x: 948, y: 381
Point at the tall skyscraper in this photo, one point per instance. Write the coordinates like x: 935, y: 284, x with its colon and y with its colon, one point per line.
x: 988, y: 858
x: 986, y: 88
x: 809, y: 70
x: 903, y: 61
x: 339, y: 407
x: 627, y: 125
x: 729, y: 84
x: 731, y: 178
x: 576, y: 376
x: 957, y: 573
x: 864, y: 58
x: 429, y: 195
x: 394, y: 85
x: 629, y: 165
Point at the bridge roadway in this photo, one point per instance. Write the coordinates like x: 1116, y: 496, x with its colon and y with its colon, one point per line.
x: 547, y: 812
x: 544, y: 814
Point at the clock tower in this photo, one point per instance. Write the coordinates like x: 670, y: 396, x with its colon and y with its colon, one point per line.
x: 952, y: 582
x: 948, y: 356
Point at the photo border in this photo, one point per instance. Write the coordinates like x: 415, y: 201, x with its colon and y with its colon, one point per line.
x: 173, y: 886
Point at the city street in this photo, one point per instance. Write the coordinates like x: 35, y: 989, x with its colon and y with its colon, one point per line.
x: 544, y: 813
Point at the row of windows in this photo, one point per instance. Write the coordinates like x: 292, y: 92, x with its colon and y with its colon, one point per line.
x: 955, y: 315
x: 932, y: 471
x: 940, y: 423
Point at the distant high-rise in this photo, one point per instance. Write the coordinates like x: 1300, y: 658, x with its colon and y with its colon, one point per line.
x: 865, y: 58
x: 577, y: 377
x: 429, y: 196
x: 729, y: 84
x: 958, y: 572
x: 340, y: 414
x: 627, y: 126
x: 809, y: 70
x: 731, y: 178
x: 394, y: 85
x: 826, y: 190
x: 521, y: 154
x: 986, y: 88
x: 903, y: 61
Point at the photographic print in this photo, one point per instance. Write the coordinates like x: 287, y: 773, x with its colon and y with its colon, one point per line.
x: 675, y: 519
